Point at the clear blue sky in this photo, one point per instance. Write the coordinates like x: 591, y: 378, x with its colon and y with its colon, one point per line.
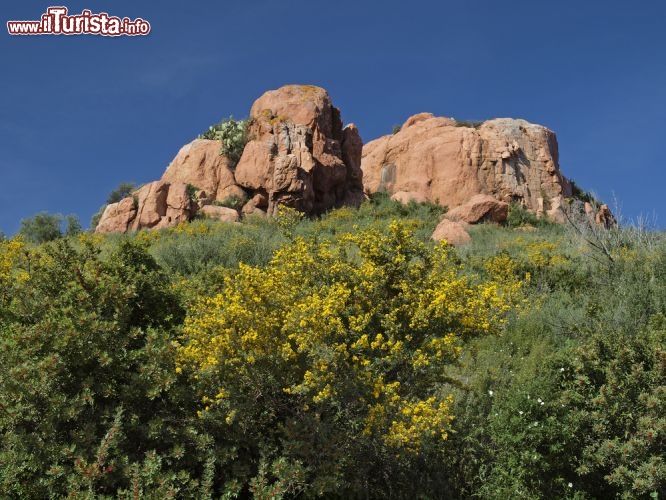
x: 80, y: 114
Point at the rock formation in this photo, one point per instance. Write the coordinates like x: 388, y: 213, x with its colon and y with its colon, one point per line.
x: 155, y: 205
x: 440, y: 160
x: 225, y: 214
x: 299, y: 155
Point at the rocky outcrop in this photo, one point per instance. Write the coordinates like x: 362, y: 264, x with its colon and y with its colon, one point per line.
x: 300, y: 155
x: 437, y: 159
x: 156, y: 205
x: 452, y: 232
x: 117, y: 217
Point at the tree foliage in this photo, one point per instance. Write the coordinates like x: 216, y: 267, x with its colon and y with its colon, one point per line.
x: 123, y: 190
x: 44, y: 227
x: 41, y: 227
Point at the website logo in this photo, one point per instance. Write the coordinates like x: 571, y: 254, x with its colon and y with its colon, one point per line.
x: 57, y: 21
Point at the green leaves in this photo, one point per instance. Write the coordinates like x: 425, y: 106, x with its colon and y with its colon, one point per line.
x: 45, y: 227
x: 84, y: 336
x: 233, y: 136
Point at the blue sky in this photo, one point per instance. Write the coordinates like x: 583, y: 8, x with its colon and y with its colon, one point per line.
x: 80, y: 114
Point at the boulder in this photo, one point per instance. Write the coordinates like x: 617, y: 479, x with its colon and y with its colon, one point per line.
x: 224, y: 214
x: 117, y: 217
x: 443, y: 161
x: 604, y: 217
x: 257, y: 204
x: 151, y: 204
x: 179, y: 205
x: 169, y: 201
x: 480, y: 208
x: 453, y: 232
x: 300, y: 155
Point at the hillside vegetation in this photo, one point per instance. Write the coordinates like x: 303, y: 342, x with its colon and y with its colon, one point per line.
x: 347, y: 356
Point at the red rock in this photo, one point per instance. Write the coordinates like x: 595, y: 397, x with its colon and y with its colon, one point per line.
x: 258, y: 203
x: 156, y: 205
x: 605, y: 217
x: 224, y: 214
x: 480, y: 208
x: 437, y: 159
x: 179, y: 205
x: 200, y: 164
x: 117, y: 217
x: 151, y: 204
x: 453, y: 232
x: 300, y: 156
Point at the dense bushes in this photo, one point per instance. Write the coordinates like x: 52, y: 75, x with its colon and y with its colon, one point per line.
x: 87, y: 384
x: 292, y: 357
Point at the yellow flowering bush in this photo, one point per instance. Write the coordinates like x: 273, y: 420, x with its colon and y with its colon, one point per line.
x: 10, y: 254
x: 355, y: 334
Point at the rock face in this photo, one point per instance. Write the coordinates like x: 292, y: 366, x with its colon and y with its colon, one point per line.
x: 437, y: 159
x: 200, y: 164
x: 156, y: 205
x: 117, y: 217
x: 300, y: 155
x: 453, y: 232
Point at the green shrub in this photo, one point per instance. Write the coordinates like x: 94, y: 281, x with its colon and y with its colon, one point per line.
x: 233, y: 201
x: 233, y: 136
x: 469, y: 123
x: 615, y: 386
x: 567, y: 402
x: 87, y: 385
x: 123, y: 190
x: 203, y: 245
x: 191, y: 193
x: 329, y: 361
x: 582, y: 195
x: 45, y: 227
x: 41, y: 227
x: 72, y: 226
x: 520, y: 216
